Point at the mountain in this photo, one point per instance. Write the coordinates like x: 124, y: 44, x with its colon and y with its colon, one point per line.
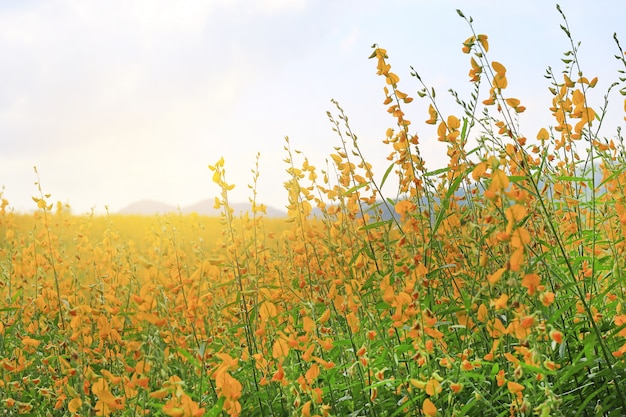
x: 204, y: 207
x: 387, y: 211
x: 147, y: 207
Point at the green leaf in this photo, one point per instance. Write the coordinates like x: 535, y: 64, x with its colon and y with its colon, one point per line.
x: 464, y: 129
x: 216, y: 410
x: 570, y: 178
x: 361, y: 250
x: 353, y: 189
x: 536, y: 369
x: 437, y: 172
x: 387, y: 172
x: 194, y: 361
x: 404, y: 348
x: 446, y: 202
x: 375, y: 225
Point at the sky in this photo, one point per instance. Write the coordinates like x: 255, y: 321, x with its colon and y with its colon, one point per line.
x: 124, y: 100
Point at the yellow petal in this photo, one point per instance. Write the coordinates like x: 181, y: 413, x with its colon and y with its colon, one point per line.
x: 308, y: 324
x: 483, y: 41
x: 495, y: 277
x: 280, y: 349
x: 392, y: 78
x: 500, y: 81
x: 498, y: 67
x: 267, y: 310
x: 325, y: 316
x: 499, y: 180
x: 544, y: 135
x: 482, y: 313
x: 479, y: 170
x: 513, y: 102
x: 429, y: 408
x: 74, y: 405
x: 516, y: 260
x: 453, y: 123
x: 514, y: 387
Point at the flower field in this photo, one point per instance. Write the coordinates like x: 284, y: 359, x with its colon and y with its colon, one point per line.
x: 497, y: 286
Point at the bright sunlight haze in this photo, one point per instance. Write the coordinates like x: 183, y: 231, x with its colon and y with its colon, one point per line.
x: 121, y: 101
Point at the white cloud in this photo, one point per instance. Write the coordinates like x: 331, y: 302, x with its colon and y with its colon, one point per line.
x: 350, y: 39
x: 161, y: 16
x: 278, y: 6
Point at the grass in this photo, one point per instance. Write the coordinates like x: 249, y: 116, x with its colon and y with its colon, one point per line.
x: 498, y: 288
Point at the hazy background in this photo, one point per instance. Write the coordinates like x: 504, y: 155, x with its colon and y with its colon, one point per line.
x: 119, y: 101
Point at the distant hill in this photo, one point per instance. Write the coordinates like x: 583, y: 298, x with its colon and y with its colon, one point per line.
x: 147, y: 207
x: 204, y: 207
x: 387, y: 211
